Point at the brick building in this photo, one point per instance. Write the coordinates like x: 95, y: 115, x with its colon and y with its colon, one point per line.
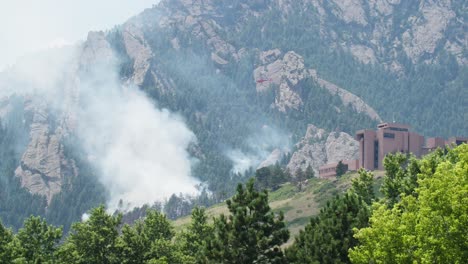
x: 388, y: 138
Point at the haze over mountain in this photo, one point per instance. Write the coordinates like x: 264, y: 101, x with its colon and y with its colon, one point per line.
x: 29, y: 26
x: 192, y: 96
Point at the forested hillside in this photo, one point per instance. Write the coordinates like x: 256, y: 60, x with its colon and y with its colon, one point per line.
x: 422, y: 217
x: 237, y: 86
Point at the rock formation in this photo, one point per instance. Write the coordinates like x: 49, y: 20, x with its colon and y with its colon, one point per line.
x: 287, y: 71
x: 318, y: 147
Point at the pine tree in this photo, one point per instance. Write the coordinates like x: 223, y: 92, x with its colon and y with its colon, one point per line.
x: 299, y: 179
x: 328, y: 236
x: 251, y: 233
x: 193, y: 240
x: 341, y: 169
x: 309, y: 172
x: 363, y: 186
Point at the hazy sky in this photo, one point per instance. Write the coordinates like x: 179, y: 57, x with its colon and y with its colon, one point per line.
x: 30, y: 25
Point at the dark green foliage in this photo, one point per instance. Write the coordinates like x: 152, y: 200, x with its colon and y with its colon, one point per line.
x: 194, y: 239
x: 7, y: 247
x: 149, y: 241
x: 309, y: 172
x: 400, y: 176
x: 341, y: 169
x: 363, y: 186
x: 94, y: 240
x: 38, y: 240
x: 177, y: 206
x: 328, y: 236
x: 79, y: 194
x: 252, y: 233
x: 270, y: 177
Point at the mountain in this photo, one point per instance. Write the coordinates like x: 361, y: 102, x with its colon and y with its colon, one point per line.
x: 246, y: 81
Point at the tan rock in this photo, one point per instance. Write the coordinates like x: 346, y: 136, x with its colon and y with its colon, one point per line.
x: 318, y: 147
x: 138, y: 50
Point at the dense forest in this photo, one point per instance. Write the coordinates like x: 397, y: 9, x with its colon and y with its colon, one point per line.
x: 422, y: 217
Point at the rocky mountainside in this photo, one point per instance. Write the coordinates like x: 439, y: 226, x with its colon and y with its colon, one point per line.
x: 251, y: 77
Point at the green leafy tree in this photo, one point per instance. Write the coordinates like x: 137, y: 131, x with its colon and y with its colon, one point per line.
x: 38, y: 240
x: 252, y: 233
x: 328, y: 236
x: 429, y: 227
x: 363, y: 186
x: 94, y: 240
x: 150, y: 241
x: 8, y: 247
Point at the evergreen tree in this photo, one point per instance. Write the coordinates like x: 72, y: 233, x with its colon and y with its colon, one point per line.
x: 401, y: 172
x: 263, y: 178
x: 363, y: 186
x: 299, y: 179
x: 328, y: 236
x: 251, y: 233
x: 309, y: 172
x: 194, y: 239
x: 394, y: 175
x: 341, y: 169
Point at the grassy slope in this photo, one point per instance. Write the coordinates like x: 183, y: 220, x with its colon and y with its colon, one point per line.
x: 298, y: 207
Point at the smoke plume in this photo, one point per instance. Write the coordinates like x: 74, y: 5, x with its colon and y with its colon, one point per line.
x: 139, y: 151
x: 260, y: 145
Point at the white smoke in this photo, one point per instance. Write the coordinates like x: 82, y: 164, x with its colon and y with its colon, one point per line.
x: 140, y: 151
x: 261, y: 144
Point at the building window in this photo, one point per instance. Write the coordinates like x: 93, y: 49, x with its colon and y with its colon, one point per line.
x: 389, y: 135
x: 399, y: 129
x: 376, y: 154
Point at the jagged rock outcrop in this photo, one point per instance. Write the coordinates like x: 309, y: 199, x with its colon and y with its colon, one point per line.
x: 318, y: 147
x: 138, y: 50
x: 199, y: 19
x: 43, y: 165
x: 310, y: 151
x: 350, y: 11
x: 44, y: 168
x: 287, y: 71
x: 341, y: 146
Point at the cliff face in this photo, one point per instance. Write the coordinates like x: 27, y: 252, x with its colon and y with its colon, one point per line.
x: 44, y: 167
x: 387, y: 33
x: 286, y: 71
x: 384, y: 30
x: 318, y: 147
